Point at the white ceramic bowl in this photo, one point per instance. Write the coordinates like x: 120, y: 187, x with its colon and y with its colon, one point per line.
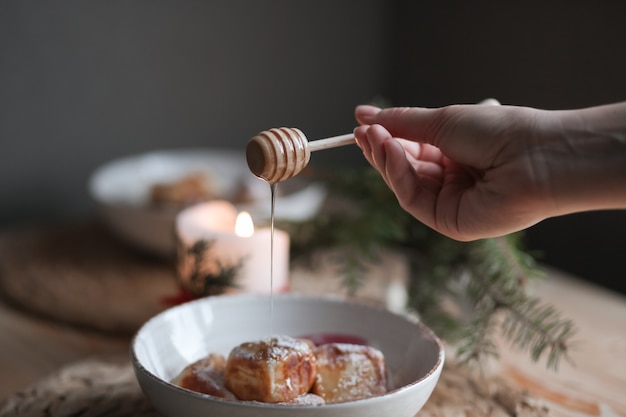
x: 173, y: 339
x: 121, y: 191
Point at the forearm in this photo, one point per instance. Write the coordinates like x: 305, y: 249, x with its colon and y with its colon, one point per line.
x: 591, y: 172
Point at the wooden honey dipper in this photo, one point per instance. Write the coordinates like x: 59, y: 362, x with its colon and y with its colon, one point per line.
x: 281, y: 153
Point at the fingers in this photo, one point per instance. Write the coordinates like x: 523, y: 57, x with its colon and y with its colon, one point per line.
x: 412, y: 170
x: 370, y: 137
x: 360, y: 136
x: 366, y: 114
x: 414, y: 123
x: 371, y: 140
x: 374, y: 141
x: 422, y: 151
x: 371, y: 143
x: 416, y: 187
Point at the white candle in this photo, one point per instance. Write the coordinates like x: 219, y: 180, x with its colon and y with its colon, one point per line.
x: 230, y: 248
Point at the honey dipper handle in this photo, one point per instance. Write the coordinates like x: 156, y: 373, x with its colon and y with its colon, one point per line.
x: 335, y: 141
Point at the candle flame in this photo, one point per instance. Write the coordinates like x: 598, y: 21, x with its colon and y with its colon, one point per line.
x: 244, y: 227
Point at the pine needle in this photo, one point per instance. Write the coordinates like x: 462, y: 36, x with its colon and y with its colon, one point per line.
x: 486, y: 280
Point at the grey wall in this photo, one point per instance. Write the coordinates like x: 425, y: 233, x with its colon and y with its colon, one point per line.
x: 84, y: 82
x: 552, y: 54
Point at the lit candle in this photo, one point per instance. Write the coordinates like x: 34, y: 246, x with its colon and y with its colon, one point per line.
x: 220, y: 251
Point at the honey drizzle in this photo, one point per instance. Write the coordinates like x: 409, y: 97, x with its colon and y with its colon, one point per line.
x: 272, y: 207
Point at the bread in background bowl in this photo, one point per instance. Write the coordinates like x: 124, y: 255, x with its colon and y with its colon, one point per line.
x: 139, y: 196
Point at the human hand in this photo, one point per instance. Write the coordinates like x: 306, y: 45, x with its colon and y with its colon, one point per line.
x: 467, y: 171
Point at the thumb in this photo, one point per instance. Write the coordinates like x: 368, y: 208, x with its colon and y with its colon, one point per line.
x: 413, y: 123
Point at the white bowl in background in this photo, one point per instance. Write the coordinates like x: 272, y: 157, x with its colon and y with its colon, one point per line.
x: 168, y: 342
x: 121, y: 190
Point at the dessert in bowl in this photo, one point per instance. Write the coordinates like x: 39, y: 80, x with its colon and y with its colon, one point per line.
x: 171, y: 341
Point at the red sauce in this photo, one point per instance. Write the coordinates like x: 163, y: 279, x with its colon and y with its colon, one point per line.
x: 325, y: 338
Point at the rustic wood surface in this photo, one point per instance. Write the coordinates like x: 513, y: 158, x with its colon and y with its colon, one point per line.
x: 109, y: 388
x: 81, y: 274
x: 35, y: 345
x: 594, y: 384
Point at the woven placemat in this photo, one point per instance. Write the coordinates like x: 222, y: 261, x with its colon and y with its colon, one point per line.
x: 88, y: 388
x: 94, y: 387
x: 81, y: 274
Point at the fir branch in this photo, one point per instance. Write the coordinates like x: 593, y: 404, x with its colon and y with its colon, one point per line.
x: 539, y: 329
x: 478, y: 338
x: 219, y: 278
x: 484, y: 280
x: 501, y: 272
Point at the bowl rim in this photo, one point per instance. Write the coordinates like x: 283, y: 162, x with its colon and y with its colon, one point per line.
x: 429, y: 333
x: 297, y: 188
x: 101, y: 173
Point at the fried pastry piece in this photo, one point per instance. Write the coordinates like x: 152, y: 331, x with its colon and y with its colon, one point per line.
x: 306, y: 399
x: 206, y: 376
x: 272, y: 370
x: 347, y: 372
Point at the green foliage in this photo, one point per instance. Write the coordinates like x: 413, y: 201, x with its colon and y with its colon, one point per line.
x: 221, y: 277
x: 466, y: 292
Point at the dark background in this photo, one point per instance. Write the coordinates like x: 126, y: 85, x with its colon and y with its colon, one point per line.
x: 82, y: 83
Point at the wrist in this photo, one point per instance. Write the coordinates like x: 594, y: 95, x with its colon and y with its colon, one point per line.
x: 590, y: 172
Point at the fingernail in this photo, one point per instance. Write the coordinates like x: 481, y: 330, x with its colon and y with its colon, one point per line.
x: 366, y: 114
x: 357, y: 131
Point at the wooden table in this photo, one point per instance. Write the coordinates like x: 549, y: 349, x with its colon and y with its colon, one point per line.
x: 32, y: 347
x: 596, y: 384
